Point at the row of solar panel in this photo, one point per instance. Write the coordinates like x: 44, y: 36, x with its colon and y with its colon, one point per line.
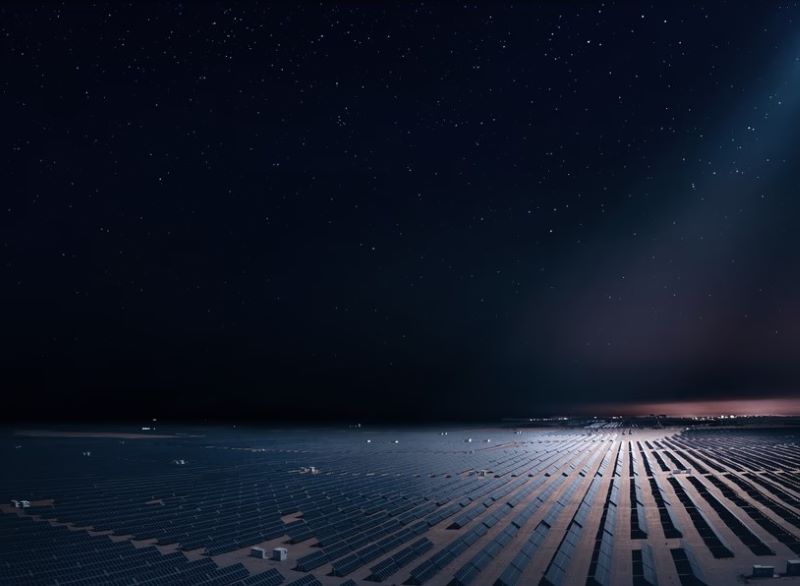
x: 513, y: 572
x: 693, y: 462
x: 638, y: 519
x: 645, y: 460
x: 394, y: 563
x: 600, y: 566
x: 643, y: 567
x: 235, y: 543
x: 475, y: 565
x: 747, y: 537
x: 781, y: 534
x: 686, y: 565
x: 755, y: 451
x: 669, y: 520
x: 784, y: 479
x: 98, y: 560
x: 784, y: 496
x: 556, y: 572
x: 703, y: 525
x: 472, y: 568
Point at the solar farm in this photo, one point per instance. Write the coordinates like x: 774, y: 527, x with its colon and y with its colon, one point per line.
x: 603, y: 505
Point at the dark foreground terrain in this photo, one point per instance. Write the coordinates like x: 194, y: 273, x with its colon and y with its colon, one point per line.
x: 602, y: 504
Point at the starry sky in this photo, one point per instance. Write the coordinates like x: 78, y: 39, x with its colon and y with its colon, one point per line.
x: 397, y: 211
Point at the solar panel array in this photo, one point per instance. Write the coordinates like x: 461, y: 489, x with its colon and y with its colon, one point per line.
x: 602, y: 561
x: 38, y: 553
x: 688, y: 568
x: 547, y: 506
x: 705, y: 528
x: 644, y: 568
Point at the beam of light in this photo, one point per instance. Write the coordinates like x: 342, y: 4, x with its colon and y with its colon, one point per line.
x: 692, y: 273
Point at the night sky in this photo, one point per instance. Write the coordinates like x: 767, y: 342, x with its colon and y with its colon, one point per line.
x: 412, y: 211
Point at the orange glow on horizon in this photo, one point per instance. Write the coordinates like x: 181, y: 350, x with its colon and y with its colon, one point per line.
x: 708, y: 408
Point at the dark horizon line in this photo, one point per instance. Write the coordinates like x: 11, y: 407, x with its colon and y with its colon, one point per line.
x: 335, y: 422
